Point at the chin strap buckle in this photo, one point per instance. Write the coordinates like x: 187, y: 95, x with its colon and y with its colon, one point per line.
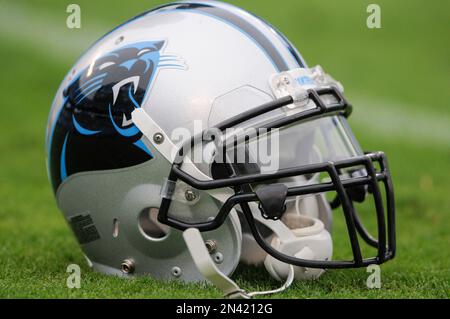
x: 209, y: 270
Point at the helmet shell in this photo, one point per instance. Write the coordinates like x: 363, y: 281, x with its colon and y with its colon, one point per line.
x: 180, y: 63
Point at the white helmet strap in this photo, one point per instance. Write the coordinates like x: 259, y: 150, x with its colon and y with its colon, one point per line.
x: 209, y: 270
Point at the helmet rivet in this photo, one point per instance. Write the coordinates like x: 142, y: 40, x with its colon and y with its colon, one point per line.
x: 127, y: 266
x: 211, y: 245
x: 176, y: 271
x: 119, y: 40
x: 218, y: 258
x: 190, y: 195
x: 158, y: 138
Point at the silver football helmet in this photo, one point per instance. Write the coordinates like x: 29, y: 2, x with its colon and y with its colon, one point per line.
x: 194, y: 137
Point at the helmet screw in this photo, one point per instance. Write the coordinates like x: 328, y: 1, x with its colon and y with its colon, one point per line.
x: 119, y: 40
x: 211, y: 245
x: 190, y: 195
x: 176, y: 271
x: 158, y: 138
x: 127, y: 266
x: 218, y: 258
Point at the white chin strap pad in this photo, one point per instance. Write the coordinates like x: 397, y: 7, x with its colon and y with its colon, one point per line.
x: 310, y: 243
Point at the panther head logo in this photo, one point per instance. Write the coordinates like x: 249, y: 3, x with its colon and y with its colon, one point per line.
x: 96, y: 113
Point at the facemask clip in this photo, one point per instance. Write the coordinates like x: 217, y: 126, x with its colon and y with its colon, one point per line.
x: 272, y: 200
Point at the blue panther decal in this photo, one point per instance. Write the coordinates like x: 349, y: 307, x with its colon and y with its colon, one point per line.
x: 93, y: 130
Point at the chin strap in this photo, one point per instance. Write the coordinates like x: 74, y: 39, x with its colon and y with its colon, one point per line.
x: 209, y: 270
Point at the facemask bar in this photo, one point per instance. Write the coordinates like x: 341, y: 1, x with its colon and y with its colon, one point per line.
x: 243, y: 193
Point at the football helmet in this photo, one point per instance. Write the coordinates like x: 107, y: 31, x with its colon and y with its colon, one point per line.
x: 194, y: 137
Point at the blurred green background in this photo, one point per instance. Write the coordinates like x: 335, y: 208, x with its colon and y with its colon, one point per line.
x: 397, y: 78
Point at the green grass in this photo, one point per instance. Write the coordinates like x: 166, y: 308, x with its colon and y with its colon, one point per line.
x: 402, y: 69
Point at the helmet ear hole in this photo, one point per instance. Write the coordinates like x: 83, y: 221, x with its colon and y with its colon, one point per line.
x: 150, y: 226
